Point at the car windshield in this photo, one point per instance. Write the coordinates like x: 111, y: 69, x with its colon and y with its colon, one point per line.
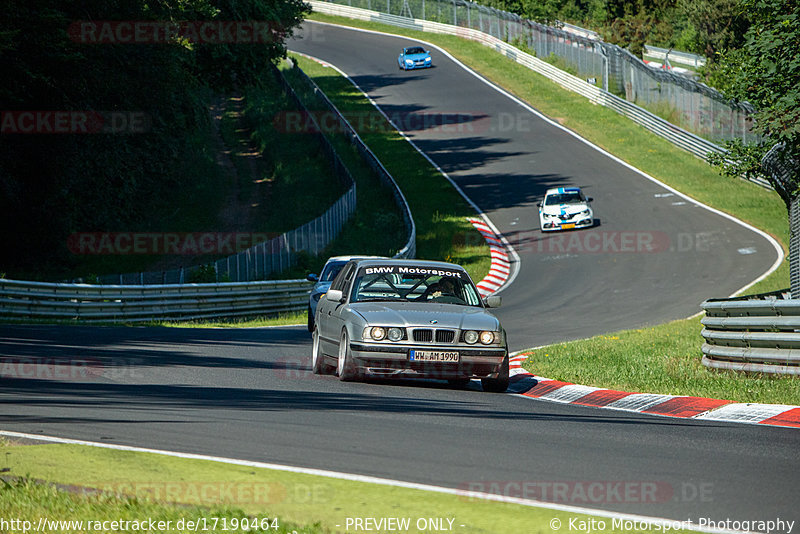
x: 425, y: 285
x: 330, y: 270
x: 415, y: 50
x: 568, y: 197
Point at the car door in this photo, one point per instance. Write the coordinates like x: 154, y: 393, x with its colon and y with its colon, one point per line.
x: 338, y: 311
x: 328, y: 324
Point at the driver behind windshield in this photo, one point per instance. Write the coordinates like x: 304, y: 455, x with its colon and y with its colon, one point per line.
x: 445, y: 287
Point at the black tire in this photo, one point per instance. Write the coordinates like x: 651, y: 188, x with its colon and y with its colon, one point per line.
x: 310, y: 320
x: 499, y: 384
x: 346, y: 368
x: 317, y: 357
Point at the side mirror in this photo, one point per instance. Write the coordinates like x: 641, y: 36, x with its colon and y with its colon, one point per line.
x: 589, y: 199
x: 334, y: 295
x: 493, y: 302
x: 539, y: 204
x: 312, y: 277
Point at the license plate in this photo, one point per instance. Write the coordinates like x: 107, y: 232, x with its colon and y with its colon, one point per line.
x: 433, y: 356
x: 568, y: 226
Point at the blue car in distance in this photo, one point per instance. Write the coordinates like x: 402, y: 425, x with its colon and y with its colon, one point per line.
x: 322, y: 282
x: 414, y: 57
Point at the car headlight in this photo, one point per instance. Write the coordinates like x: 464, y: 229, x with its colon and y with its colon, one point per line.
x: 377, y: 333
x: 410, y: 61
x: 550, y: 216
x: 471, y: 337
x: 585, y: 212
x: 395, y: 334
x: 487, y: 337
x: 427, y: 60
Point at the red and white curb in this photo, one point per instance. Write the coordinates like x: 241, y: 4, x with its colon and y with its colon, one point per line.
x: 501, y: 266
x: 529, y: 385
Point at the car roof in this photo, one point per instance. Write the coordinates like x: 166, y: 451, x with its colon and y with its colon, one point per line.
x: 411, y: 263
x: 561, y: 190
x: 348, y: 258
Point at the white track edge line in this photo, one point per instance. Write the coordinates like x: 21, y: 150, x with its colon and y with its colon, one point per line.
x: 367, y: 479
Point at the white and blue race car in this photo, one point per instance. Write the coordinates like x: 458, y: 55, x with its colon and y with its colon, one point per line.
x: 565, y: 208
x: 414, y: 57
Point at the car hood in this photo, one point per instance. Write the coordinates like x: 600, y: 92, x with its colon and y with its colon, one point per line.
x: 415, y: 57
x: 412, y: 314
x: 565, y: 209
x: 321, y: 287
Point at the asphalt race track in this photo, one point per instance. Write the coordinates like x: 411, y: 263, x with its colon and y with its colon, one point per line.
x: 570, y: 285
x: 250, y: 394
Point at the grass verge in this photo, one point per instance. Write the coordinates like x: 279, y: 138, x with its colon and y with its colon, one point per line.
x: 139, y: 485
x: 666, y: 358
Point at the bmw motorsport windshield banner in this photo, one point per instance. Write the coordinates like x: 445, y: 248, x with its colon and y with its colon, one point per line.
x: 410, y: 270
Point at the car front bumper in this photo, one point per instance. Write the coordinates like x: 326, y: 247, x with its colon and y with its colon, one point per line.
x: 553, y: 225
x: 393, y: 361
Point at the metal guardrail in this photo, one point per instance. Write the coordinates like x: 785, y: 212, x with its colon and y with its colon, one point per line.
x: 675, y: 56
x: 758, y: 333
x: 117, y: 303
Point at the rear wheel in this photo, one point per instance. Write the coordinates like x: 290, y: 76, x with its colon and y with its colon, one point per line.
x: 346, y: 368
x: 499, y: 384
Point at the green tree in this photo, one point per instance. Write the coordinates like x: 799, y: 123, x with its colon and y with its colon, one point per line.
x: 52, y: 185
x: 717, y: 25
x: 766, y: 70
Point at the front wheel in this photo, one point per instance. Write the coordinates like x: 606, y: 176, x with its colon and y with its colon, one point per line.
x: 346, y: 366
x: 310, y: 319
x: 499, y: 384
x: 317, y: 358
